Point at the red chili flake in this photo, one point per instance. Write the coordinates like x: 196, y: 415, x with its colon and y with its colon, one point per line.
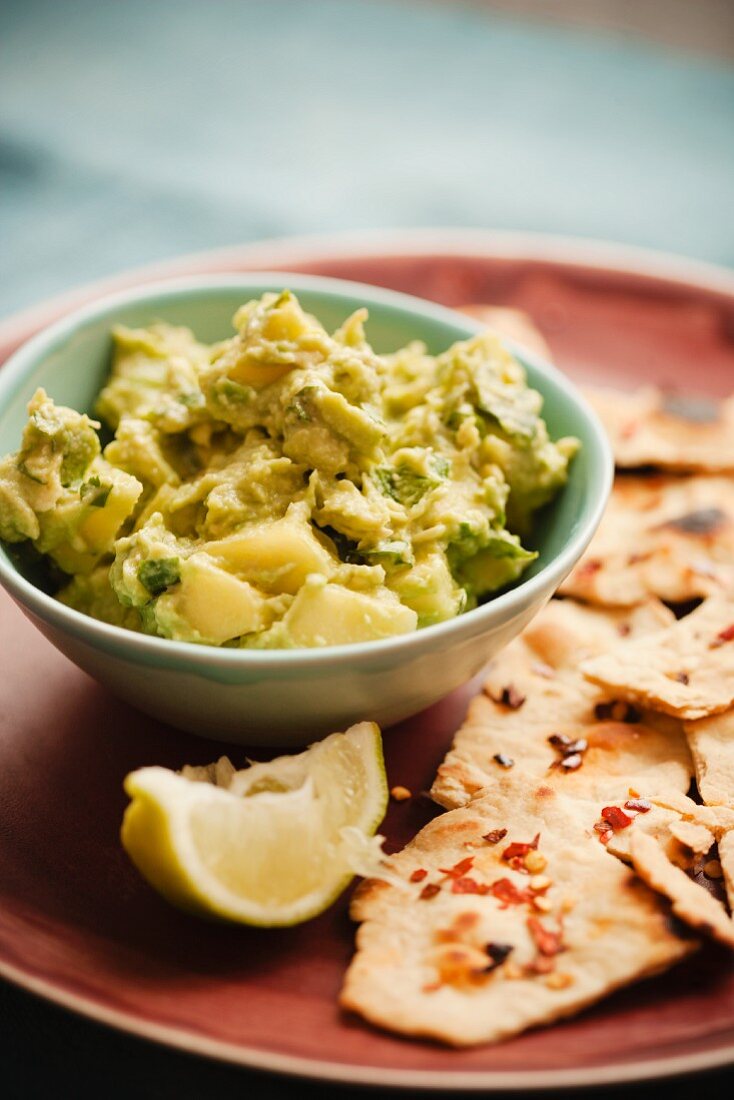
x: 503, y: 760
x: 495, y: 836
x: 429, y: 891
x: 459, y: 869
x: 588, y: 568
x: 624, y: 630
x: 508, y: 894
x: 616, y: 817
x: 726, y: 635
x: 605, y: 836
x: 509, y: 697
x: 635, y: 559
x: 704, y: 521
x: 640, y: 804
x: 418, y: 875
x: 629, y: 429
x: 517, y: 848
x: 498, y: 953
x: 548, y: 942
x: 466, y: 885
x: 682, y: 677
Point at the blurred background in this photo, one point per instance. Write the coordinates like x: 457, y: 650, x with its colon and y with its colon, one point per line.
x: 134, y: 131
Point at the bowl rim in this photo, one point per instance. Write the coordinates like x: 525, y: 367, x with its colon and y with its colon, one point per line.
x: 14, y: 371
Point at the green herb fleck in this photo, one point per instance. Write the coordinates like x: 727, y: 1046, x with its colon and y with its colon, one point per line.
x: 228, y: 391
x: 157, y: 574
x: 299, y: 406
x: 192, y: 400
x: 93, y: 493
x: 405, y: 485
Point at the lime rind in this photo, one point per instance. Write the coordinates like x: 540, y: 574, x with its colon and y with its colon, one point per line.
x: 232, y: 855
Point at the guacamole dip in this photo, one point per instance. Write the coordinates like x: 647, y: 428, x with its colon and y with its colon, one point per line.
x: 285, y: 487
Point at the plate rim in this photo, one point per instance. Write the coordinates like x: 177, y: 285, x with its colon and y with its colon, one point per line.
x: 318, y: 248
x: 296, y: 1066
x: 563, y: 249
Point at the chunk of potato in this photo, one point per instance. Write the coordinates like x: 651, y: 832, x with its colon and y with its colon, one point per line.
x: 210, y: 605
x: 101, y: 525
x: 249, y: 371
x: 329, y: 614
x: 277, y: 556
x: 82, y: 530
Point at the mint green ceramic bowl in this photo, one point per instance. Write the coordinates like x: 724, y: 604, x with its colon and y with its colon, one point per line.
x: 281, y: 697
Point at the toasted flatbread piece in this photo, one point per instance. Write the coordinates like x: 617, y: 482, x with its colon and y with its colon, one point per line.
x: 696, y: 838
x: 462, y: 953
x: 686, y: 670
x: 680, y: 825
x: 658, y: 822
x: 565, y: 631
x: 717, y: 819
x: 691, y: 903
x: 511, y: 323
x: 726, y: 858
x: 660, y: 536
x: 711, y: 741
x: 646, y: 428
x: 539, y: 718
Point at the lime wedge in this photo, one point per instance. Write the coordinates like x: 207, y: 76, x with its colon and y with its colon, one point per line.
x: 271, y: 845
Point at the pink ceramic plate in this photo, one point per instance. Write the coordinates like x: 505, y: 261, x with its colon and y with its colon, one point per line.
x: 78, y: 926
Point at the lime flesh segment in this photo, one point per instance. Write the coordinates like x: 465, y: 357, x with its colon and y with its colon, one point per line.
x: 260, y: 846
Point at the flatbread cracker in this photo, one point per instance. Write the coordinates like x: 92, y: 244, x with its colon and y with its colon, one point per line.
x: 726, y: 858
x: 646, y: 428
x: 711, y: 741
x: 691, y: 903
x: 697, y: 838
x: 565, y: 632
x: 514, y: 324
x: 658, y: 822
x: 660, y: 536
x: 717, y: 819
x: 538, y: 717
x: 436, y: 959
x: 675, y: 821
x: 686, y: 670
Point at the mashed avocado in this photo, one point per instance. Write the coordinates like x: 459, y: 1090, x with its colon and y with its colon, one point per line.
x: 286, y: 487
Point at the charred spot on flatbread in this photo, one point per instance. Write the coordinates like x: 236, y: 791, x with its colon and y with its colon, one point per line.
x: 702, y: 521
x: 694, y: 410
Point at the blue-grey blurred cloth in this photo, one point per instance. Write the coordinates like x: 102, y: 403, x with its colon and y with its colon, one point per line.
x: 135, y: 130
